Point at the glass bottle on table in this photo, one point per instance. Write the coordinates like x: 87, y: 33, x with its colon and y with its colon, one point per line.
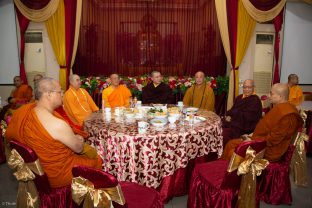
x: 135, y: 100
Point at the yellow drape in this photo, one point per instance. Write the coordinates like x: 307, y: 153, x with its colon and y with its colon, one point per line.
x: 245, y: 28
x: 56, y: 31
x: 223, y: 26
x: 77, y: 29
x: 39, y: 15
x: 224, y: 31
x: 263, y: 16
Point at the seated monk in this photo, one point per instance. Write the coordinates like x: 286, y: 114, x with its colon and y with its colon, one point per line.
x: 246, y: 112
x: 295, y: 92
x: 277, y: 127
x: 22, y: 94
x: 200, y: 95
x: 157, y: 91
x: 37, y: 126
x: 116, y: 95
x: 78, y: 104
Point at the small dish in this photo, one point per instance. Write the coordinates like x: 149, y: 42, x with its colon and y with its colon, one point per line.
x: 158, y: 122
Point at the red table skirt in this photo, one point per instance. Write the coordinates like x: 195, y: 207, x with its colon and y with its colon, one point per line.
x: 178, y: 183
x: 309, y: 131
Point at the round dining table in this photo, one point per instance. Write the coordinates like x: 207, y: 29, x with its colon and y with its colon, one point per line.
x: 151, y: 157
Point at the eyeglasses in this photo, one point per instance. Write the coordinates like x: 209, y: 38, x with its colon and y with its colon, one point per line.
x: 61, y: 91
x: 247, y: 87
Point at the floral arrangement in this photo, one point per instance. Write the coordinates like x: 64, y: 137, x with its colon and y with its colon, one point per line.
x: 178, y: 84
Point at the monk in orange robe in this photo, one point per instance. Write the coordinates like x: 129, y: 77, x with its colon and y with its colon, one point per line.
x: 58, y: 148
x: 116, y: 95
x: 277, y: 127
x: 295, y: 92
x: 78, y: 104
x: 22, y: 94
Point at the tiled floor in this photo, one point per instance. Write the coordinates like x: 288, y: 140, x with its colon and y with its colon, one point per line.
x: 302, y: 197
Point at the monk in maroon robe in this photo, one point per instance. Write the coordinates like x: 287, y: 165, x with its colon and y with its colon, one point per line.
x: 246, y: 112
x: 157, y: 91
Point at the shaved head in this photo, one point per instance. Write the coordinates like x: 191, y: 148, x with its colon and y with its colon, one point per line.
x: 156, y: 77
x: 279, y: 93
x: 73, y: 77
x: 17, y: 81
x: 199, y: 77
x: 282, y: 90
x: 75, y: 81
x: 46, y: 84
x: 248, y: 87
x: 291, y: 76
x: 114, y: 79
x: 249, y: 82
x: 293, y: 79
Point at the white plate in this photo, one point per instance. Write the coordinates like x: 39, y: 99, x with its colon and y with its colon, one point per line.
x: 158, y: 122
x: 197, y: 119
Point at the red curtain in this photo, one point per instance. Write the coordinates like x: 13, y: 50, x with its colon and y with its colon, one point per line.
x: 264, y: 5
x: 135, y: 37
x: 70, y: 25
x: 232, y: 8
x: 35, y: 4
x: 232, y: 15
x: 23, y: 24
x: 278, y: 22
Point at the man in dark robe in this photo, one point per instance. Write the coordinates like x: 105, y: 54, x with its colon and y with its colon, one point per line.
x: 157, y: 91
x: 243, y: 117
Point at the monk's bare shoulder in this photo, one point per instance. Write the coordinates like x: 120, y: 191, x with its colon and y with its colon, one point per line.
x: 55, y: 126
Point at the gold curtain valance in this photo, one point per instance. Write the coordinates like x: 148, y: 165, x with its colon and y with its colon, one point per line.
x: 263, y: 16
x: 39, y: 15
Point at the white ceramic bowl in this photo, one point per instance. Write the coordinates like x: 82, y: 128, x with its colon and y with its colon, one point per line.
x: 161, y: 116
x: 177, y: 116
x: 158, y: 122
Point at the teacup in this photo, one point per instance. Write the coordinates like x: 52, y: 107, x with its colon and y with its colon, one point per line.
x: 138, y: 103
x: 142, y: 127
x: 180, y: 103
x: 107, y: 110
x: 118, y: 111
x: 172, y: 119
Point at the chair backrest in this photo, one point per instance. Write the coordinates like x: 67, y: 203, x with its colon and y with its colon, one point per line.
x: 99, y: 178
x: 97, y: 98
x: 29, y: 156
x: 232, y: 180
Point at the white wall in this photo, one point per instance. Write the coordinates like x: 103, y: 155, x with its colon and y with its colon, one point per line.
x: 51, y: 68
x: 9, y: 59
x: 246, y: 68
x: 297, y: 46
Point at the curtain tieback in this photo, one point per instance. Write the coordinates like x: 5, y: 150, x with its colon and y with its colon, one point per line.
x: 27, y: 192
x: 83, y: 190
x: 249, y: 167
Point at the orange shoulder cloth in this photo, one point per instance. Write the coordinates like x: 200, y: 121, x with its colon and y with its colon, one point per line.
x: 119, y: 97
